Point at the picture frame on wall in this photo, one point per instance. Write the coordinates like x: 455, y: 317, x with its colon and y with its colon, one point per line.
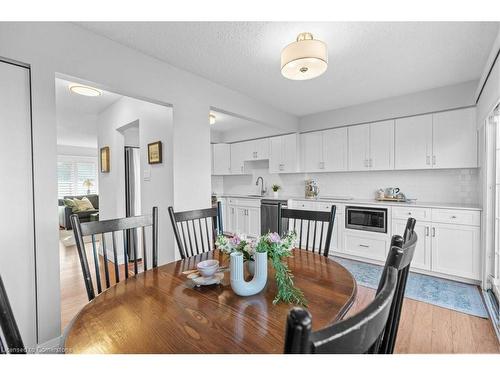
x: 155, y: 153
x: 105, y: 159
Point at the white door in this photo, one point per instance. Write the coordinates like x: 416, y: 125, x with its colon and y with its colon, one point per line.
x: 382, y: 145
x: 312, y: 151
x: 422, y: 256
x: 253, y: 221
x: 455, y: 139
x: 240, y: 221
x: 289, y: 153
x: 413, y: 142
x: 359, y: 147
x: 221, y: 158
x: 275, y: 154
x: 238, y: 152
x: 455, y: 250
x: 17, y: 251
x: 335, y: 149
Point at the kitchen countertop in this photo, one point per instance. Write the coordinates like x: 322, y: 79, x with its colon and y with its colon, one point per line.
x: 355, y: 201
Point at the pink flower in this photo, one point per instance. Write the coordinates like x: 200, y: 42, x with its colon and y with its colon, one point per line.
x: 274, y: 237
x: 235, y: 240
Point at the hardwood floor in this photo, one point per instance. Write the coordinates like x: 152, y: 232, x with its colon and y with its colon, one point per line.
x: 424, y: 328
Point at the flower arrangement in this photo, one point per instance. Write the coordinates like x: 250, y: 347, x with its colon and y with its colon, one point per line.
x: 277, y: 248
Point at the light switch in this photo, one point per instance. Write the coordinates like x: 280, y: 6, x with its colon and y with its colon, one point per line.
x: 147, y: 173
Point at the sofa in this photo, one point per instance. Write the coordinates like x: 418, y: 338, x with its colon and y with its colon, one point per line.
x: 65, y: 212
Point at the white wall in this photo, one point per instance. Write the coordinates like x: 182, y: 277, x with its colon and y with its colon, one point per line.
x: 154, y: 124
x: 76, y: 150
x: 69, y: 50
x: 76, y: 128
x: 437, y: 99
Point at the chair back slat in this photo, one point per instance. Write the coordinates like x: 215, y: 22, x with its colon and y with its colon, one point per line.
x: 312, y: 219
x: 197, y: 242
x: 129, y: 228
x: 8, y: 327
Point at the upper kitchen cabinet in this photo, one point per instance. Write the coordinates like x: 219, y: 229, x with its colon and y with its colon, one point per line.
x: 283, y: 154
x: 413, y: 142
x: 221, y: 159
x: 238, y: 155
x: 454, y: 139
x: 257, y: 149
x: 371, y: 146
x: 324, y: 151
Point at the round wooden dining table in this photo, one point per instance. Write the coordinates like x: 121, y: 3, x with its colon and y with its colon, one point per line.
x: 161, y: 311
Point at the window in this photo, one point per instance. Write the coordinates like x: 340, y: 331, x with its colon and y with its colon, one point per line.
x: 72, y: 172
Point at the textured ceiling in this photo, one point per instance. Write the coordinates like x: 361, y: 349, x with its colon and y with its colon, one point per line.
x: 367, y: 60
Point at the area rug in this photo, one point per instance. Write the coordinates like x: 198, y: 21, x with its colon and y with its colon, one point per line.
x: 452, y: 295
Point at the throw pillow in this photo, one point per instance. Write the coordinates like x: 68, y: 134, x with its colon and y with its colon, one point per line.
x: 70, y: 203
x: 83, y: 205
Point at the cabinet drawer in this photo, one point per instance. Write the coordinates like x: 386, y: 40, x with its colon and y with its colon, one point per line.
x: 456, y: 217
x: 243, y: 202
x: 418, y: 213
x: 303, y: 205
x: 327, y: 206
x: 365, y: 246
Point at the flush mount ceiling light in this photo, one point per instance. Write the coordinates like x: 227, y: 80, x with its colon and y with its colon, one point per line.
x: 211, y: 118
x: 84, y: 90
x: 305, y: 58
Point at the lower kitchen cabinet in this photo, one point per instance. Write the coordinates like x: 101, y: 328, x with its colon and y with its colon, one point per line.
x: 366, y: 245
x: 243, y: 217
x: 422, y: 256
x: 456, y: 250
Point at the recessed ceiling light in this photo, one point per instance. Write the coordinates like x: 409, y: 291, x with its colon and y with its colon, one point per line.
x: 305, y: 58
x: 211, y: 118
x: 84, y: 90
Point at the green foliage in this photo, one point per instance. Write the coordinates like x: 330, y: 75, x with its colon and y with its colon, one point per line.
x: 275, y: 187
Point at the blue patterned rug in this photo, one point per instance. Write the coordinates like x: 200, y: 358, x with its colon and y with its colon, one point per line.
x: 452, y: 295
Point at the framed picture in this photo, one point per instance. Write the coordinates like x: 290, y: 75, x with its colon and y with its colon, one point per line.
x: 154, y: 153
x: 105, y: 159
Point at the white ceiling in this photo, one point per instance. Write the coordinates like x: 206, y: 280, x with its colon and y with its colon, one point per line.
x: 76, y: 115
x: 367, y: 60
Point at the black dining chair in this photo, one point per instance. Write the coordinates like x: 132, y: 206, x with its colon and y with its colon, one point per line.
x: 195, y: 231
x: 407, y: 243
x: 361, y: 333
x: 130, y: 228
x: 312, y: 227
x: 13, y: 343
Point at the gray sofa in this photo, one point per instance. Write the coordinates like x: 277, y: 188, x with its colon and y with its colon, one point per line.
x: 65, y: 212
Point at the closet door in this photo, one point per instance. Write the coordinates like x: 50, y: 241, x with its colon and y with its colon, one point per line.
x: 17, y: 260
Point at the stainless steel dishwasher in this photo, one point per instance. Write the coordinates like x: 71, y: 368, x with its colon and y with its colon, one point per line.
x: 269, y: 214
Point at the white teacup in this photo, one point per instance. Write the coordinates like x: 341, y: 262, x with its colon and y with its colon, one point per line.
x: 208, y: 268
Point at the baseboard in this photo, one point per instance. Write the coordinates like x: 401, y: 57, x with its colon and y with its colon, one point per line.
x: 493, y: 311
x: 53, y: 346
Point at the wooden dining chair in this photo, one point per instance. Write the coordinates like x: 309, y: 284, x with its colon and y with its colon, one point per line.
x: 407, y: 243
x: 126, y: 225
x: 13, y: 343
x: 201, y: 227
x: 362, y: 333
x: 310, y: 226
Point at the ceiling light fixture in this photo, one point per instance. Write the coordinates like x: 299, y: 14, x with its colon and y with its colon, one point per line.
x: 305, y: 58
x: 211, y: 118
x: 84, y: 90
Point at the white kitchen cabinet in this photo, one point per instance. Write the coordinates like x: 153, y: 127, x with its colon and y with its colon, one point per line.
x: 283, y: 154
x: 335, y: 150
x: 456, y: 250
x: 382, y: 145
x: 455, y: 139
x: 253, y: 222
x: 312, y: 151
x: 359, y: 147
x: 221, y: 159
x: 422, y: 257
x: 413, y: 142
x: 243, y: 216
x: 257, y: 149
x: 366, y: 244
x: 238, y: 153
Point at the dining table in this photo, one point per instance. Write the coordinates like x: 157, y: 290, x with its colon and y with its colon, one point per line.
x: 162, y: 311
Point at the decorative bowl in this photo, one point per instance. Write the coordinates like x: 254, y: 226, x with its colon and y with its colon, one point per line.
x: 208, y: 268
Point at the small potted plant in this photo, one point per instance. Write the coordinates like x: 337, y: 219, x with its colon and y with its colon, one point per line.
x: 275, y: 188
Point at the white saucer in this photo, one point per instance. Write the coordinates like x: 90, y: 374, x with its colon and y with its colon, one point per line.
x: 215, y: 279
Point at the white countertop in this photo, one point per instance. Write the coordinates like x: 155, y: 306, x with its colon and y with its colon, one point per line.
x: 355, y: 201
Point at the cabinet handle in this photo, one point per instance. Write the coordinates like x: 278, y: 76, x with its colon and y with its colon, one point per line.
x: 428, y: 160
x: 433, y: 232
x: 427, y: 231
x: 361, y: 245
x: 409, y: 213
x: 453, y: 217
x: 433, y: 159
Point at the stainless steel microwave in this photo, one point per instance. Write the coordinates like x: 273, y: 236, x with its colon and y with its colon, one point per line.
x: 371, y: 219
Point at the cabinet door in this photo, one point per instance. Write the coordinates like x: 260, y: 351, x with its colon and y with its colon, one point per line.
x: 455, y: 250
x: 229, y: 223
x: 382, y: 145
x: 422, y: 256
x: 221, y: 159
x: 335, y: 149
x: 253, y: 221
x: 359, y: 147
x: 238, y: 151
x: 289, y: 153
x: 312, y: 151
x: 413, y: 142
x: 261, y: 147
x: 275, y: 154
x: 240, y: 221
x: 455, y: 139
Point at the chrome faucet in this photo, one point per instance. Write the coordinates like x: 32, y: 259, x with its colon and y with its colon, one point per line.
x: 262, y: 189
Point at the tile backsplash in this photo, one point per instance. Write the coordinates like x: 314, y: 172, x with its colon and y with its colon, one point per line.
x: 444, y: 185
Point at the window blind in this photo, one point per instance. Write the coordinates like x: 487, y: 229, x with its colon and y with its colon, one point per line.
x: 72, y: 172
